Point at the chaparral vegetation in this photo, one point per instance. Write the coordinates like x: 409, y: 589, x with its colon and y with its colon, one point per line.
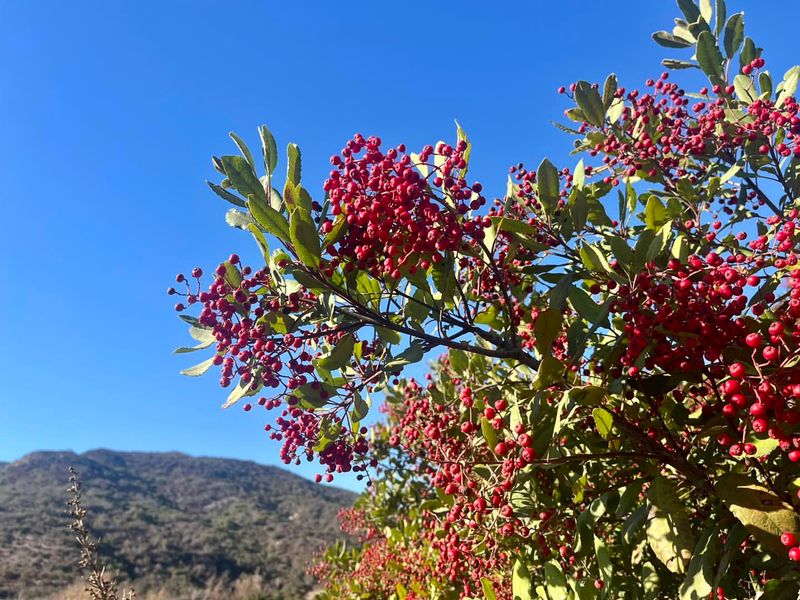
x: 615, y: 407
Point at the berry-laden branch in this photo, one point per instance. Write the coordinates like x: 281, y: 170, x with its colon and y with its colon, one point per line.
x: 618, y: 410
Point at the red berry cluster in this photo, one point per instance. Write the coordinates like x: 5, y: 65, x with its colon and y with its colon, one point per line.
x: 659, y: 128
x: 789, y: 540
x: 396, y: 224
x: 452, y: 445
x: 250, y: 322
x: 697, y: 318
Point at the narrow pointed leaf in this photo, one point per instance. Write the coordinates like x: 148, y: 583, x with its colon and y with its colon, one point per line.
x: 590, y: 103
x: 709, y: 56
x: 243, y: 149
x: 270, y: 219
x: 734, y: 34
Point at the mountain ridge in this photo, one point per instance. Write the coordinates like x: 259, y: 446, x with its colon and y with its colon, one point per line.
x: 163, y: 517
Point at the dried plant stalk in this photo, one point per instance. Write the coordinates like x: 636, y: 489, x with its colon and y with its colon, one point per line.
x: 98, y: 585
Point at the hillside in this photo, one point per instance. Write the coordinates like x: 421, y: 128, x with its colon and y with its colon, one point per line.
x: 164, y: 519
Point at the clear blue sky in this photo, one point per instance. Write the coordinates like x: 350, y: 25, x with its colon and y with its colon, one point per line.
x: 110, y: 111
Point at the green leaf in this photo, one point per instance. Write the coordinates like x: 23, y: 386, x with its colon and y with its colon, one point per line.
x: 621, y: 250
x: 643, y: 243
x: 336, y: 232
x: 764, y: 446
x: 293, y: 170
x: 412, y: 354
x: 706, y: 11
x: 609, y: 91
x: 660, y: 242
x: 557, y: 296
x: 749, y: 52
x: 666, y: 39
x: 578, y: 206
x: 603, y: 557
x: 588, y: 395
x: 488, y: 589
x: 597, y: 213
x: 238, y: 219
x: 489, y: 433
x: 689, y: 10
x: 514, y: 225
x: 669, y: 532
x: 590, y: 103
x: 490, y: 317
x: 736, y: 535
x: 594, y: 258
x: 360, y: 407
x: 314, y: 394
x: 734, y: 34
x: 550, y: 370
x: 655, y: 213
x: 583, y: 588
x: 583, y: 304
x: 388, y: 336
x: 226, y: 195
x: 201, y: 346
x: 296, y: 196
x: 650, y: 581
x: 675, y: 64
x: 270, y: 219
x: 699, y: 580
x: 579, y: 175
x: 462, y: 137
x: 240, y: 391
x: 521, y: 586
x: 722, y: 13
x: 632, y: 526
x: 232, y: 275
x: 555, y: 580
x: 305, y: 238
x: 603, y: 421
x: 444, y: 278
x: 709, y: 56
x: 459, y: 360
x: 402, y: 592
x: 615, y: 110
x: 243, y: 177
x: 765, y: 83
x: 546, y: 329
x: 243, y: 149
x: 547, y: 185
x: 198, y: 370
x: 745, y: 88
x: 789, y: 85
x: 731, y: 172
x: 762, y: 513
x: 340, y: 354
x: 628, y: 499
x: 269, y: 149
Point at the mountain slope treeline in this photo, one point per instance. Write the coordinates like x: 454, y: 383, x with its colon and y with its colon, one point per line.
x: 166, y: 521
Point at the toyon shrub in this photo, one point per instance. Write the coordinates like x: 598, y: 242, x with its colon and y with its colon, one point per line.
x: 616, y: 409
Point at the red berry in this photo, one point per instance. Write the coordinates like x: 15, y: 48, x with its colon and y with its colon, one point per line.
x: 770, y: 353
x: 736, y: 370
x: 788, y: 539
x: 754, y: 340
